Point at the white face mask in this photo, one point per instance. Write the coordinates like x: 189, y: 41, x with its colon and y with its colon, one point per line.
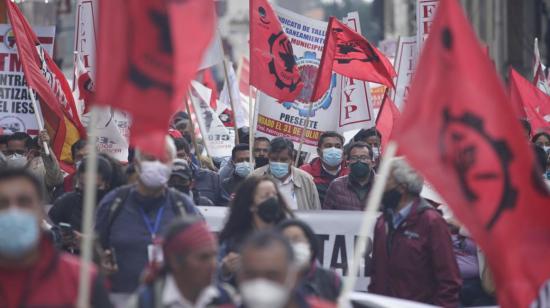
x: 302, y: 253
x: 261, y: 293
x: 17, y: 161
x: 154, y: 174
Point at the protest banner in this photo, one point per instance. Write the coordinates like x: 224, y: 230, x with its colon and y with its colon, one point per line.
x: 344, y: 107
x: 336, y: 241
x: 231, y: 90
x: 217, y: 138
x: 17, y: 113
x: 425, y: 13
x: 404, y: 65
x: 113, y: 126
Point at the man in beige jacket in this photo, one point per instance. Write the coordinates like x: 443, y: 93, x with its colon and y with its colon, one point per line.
x: 296, y: 186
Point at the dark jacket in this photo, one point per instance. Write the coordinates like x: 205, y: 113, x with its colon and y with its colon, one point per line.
x: 321, y: 178
x: 209, y: 185
x: 51, y: 282
x: 230, y: 184
x: 416, y: 260
x: 321, y: 283
x: 341, y: 195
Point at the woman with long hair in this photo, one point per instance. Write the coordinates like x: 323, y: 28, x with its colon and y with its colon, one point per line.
x: 257, y: 205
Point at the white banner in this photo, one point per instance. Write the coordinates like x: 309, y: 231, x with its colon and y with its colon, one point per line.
x: 241, y: 113
x: 113, y: 128
x: 336, y: 241
x: 218, y: 140
x: 344, y: 107
x: 16, y: 109
x: 425, y: 14
x: 405, y: 63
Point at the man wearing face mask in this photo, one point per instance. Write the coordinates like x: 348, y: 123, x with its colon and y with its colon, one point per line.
x: 240, y: 158
x: 182, y: 180
x: 261, y: 150
x: 329, y: 165
x: 296, y: 186
x: 32, y: 272
x: 268, y: 274
x: 68, y: 208
x: 45, y: 167
x: 373, y: 138
x: 130, y: 219
x: 350, y: 192
x: 413, y: 255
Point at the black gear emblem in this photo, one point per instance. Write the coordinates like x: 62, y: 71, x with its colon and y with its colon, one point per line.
x: 281, y: 50
x: 462, y: 140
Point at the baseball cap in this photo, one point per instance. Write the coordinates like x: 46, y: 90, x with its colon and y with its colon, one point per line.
x: 182, y: 169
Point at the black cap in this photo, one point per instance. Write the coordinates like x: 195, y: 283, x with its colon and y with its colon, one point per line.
x: 182, y: 169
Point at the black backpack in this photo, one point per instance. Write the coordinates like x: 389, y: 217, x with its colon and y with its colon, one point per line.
x: 179, y: 204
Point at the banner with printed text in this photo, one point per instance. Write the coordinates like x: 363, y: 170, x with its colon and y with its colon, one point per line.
x: 16, y: 109
x: 425, y: 13
x: 344, y: 107
x: 404, y: 65
x: 113, y: 130
x: 336, y: 241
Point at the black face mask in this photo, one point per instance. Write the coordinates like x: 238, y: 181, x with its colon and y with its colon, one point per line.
x: 182, y: 188
x: 360, y: 170
x: 261, y: 161
x: 269, y: 210
x: 101, y: 192
x: 391, y: 198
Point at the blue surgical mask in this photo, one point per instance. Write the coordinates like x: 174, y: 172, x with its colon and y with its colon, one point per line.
x: 243, y: 169
x: 332, y: 156
x: 277, y: 169
x: 19, y: 232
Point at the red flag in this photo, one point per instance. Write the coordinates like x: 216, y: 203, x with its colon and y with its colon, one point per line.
x: 460, y: 132
x: 387, y: 118
x: 54, y: 94
x: 349, y: 54
x: 148, y: 53
x: 273, y: 68
x: 534, y: 104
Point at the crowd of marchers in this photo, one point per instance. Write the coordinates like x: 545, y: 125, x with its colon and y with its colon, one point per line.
x: 153, y: 247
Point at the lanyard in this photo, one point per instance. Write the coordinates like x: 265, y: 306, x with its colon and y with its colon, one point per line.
x: 153, y: 229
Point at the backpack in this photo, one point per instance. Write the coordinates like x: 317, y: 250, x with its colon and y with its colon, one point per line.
x: 179, y: 204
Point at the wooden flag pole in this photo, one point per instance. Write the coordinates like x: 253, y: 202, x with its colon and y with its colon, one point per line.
x: 369, y: 220
x: 231, y: 101
x: 252, y: 114
x: 193, y: 137
x: 38, y: 118
x: 303, y: 134
x: 90, y: 192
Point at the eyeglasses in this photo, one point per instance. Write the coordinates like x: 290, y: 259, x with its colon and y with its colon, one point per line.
x: 11, y: 152
x: 362, y: 158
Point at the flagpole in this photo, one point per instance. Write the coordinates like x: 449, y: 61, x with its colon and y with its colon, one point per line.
x: 193, y: 137
x: 231, y: 101
x: 251, y: 122
x: 87, y: 219
x: 38, y: 119
x: 303, y: 134
x: 369, y: 219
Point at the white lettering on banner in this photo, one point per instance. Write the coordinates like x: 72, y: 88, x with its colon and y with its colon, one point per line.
x: 425, y: 13
x: 16, y: 109
x: 336, y: 241
x: 405, y: 65
x: 335, y: 111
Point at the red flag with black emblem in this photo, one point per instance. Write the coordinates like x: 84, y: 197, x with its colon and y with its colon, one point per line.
x: 459, y: 130
x: 348, y: 53
x: 534, y: 103
x: 387, y: 119
x: 148, y: 53
x: 54, y: 94
x: 273, y: 68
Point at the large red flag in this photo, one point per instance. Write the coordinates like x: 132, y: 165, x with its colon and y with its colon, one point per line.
x: 348, y: 53
x: 387, y: 119
x: 459, y: 130
x: 148, y: 53
x: 532, y: 101
x: 54, y: 94
x: 273, y: 68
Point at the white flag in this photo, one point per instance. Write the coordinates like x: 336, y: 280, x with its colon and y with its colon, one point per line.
x: 241, y: 112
